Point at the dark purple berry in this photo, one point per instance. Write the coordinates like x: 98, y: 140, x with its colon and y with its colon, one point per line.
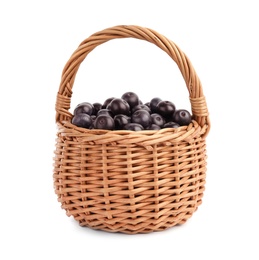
x: 165, y: 108
x: 140, y: 107
x: 141, y: 117
x: 153, y: 127
x: 182, y: 117
x: 131, y: 98
x: 105, y: 111
x: 120, y: 121
x: 104, y: 122
x: 97, y: 106
x: 153, y: 103
x: 171, y: 125
x: 82, y: 120
x: 157, y: 119
x: 119, y: 106
x: 107, y: 102
x: 147, y: 104
x: 85, y: 108
x: 93, y: 117
x: 133, y: 127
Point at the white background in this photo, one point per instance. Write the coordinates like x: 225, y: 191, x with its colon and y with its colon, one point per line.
x: 36, y: 40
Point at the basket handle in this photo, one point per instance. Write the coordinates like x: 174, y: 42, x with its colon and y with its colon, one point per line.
x: 197, y: 99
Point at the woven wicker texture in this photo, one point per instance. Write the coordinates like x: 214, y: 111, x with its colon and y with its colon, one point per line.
x: 125, y: 181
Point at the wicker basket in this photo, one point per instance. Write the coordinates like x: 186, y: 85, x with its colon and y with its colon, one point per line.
x: 126, y: 181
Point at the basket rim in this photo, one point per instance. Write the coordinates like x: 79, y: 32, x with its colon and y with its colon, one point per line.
x: 146, y: 138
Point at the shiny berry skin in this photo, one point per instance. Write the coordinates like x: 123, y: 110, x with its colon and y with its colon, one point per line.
x: 165, y: 108
x: 85, y: 108
x: 133, y: 127
x: 131, y: 98
x: 153, y: 127
x: 104, y: 122
x: 82, y: 120
x: 107, y: 101
x: 157, y: 119
x: 141, y: 117
x: 97, y: 106
x: 105, y: 111
x: 119, y: 106
x: 182, y: 117
x: 120, y: 121
x: 139, y: 107
x: 153, y: 103
x: 93, y: 117
x: 171, y: 125
x: 147, y: 104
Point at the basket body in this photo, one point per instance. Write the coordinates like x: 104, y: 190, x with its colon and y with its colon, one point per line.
x: 126, y: 181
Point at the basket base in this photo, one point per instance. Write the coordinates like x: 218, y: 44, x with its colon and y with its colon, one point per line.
x: 140, y: 225
x: 131, y: 230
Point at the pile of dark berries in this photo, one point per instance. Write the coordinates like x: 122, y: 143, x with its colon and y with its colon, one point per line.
x: 129, y: 113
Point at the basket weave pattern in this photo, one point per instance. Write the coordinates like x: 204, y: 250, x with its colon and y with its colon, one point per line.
x: 125, y: 181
